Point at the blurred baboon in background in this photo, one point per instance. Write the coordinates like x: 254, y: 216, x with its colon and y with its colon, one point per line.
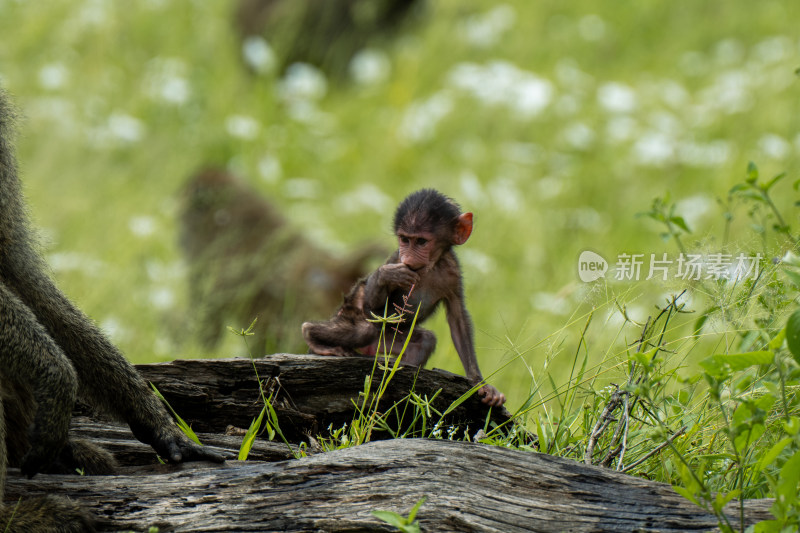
x: 246, y: 261
x: 324, y: 33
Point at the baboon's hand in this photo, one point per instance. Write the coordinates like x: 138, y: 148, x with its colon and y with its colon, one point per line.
x: 171, y: 444
x: 491, y: 396
x: 180, y: 448
x: 397, y: 275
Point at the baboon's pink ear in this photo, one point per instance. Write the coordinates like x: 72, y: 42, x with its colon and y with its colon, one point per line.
x: 463, y: 229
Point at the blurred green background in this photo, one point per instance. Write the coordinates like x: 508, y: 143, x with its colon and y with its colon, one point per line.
x: 554, y: 122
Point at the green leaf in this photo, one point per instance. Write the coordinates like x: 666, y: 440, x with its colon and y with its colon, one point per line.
x: 244, y: 332
x: 721, y: 499
x: 391, y: 518
x: 790, y: 475
x: 703, y: 318
x: 681, y: 223
x: 543, y: 440
x: 413, y: 513
x: 273, y: 417
x: 693, y: 479
x: 793, y: 334
x: 686, y: 494
x: 766, y: 526
x: 792, y: 427
x: 723, y: 365
x: 781, y: 228
x: 740, y: 187
x: 752, y: 172
x: 645, y: 358
x: 774, y: 180
x: 250, y: 436
x: 777, y: 340
x: 650, y: 214
x: 773, y: 453
x: 186, y: 428
x: 765, y: 402
x: 747, y: 437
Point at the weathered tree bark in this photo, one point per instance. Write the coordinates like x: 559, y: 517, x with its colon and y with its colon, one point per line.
x: 311, y: 392
x: 468, y: 487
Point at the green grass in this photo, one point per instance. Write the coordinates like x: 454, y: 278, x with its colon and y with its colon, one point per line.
x: 103, y: 153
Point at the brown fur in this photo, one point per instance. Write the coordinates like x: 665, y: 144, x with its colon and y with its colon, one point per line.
x: 422, y: 274
x: 50, y: 353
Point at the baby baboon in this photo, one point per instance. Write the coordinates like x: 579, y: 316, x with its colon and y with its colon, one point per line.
x: 324, y: 33
x: 246, y: 261
x: 423, y: 272
x: 51, y: 353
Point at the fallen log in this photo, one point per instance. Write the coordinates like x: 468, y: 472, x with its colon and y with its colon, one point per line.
x: 309, y: 393
x: 468, y: 487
